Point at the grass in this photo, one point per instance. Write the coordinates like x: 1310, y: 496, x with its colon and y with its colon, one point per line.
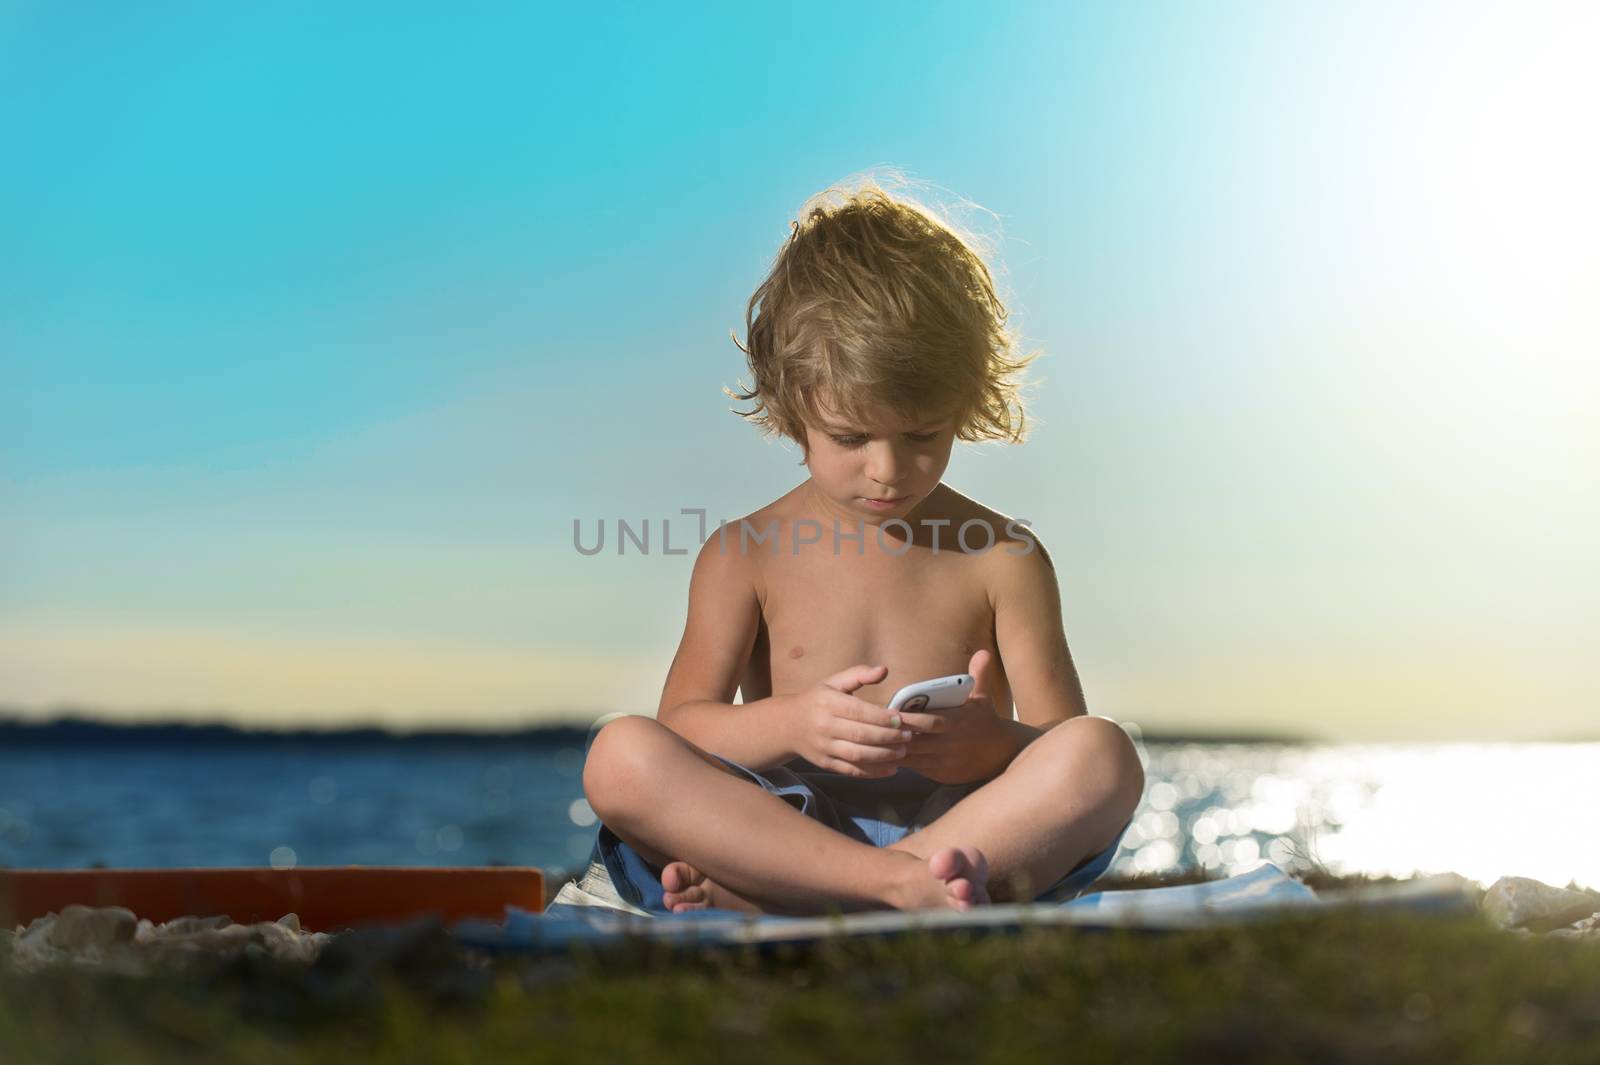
x: 1326, y: 988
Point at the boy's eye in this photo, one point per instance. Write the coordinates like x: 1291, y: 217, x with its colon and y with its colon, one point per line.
x: 856, y: 441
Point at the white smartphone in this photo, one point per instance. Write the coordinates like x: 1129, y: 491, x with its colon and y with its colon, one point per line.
x: 940, y: 693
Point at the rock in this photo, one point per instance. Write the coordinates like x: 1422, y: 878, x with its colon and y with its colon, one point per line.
x: 1518, y: 902
x: 1587, y: 930
x: 185, y: 926
x: 31, y: 948
x: 190, y: 936
x: 89, y: 929
x: 112, y: 937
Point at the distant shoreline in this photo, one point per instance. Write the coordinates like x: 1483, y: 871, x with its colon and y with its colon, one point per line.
x: 77, y: 730
x: 74, y: 730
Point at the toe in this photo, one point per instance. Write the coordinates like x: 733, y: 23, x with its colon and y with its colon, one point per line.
x: 684, y: 903
x: 948, y: 863
x: 694, y: 894
x: 965, y: 872
x: 679, y: 876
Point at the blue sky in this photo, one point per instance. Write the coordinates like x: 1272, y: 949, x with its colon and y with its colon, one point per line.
x: 321, y: 328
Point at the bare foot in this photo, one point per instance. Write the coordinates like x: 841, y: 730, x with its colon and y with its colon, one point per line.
x: 955, y: 877
x: 686, y: 889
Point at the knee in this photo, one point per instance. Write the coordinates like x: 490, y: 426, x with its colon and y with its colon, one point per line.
x: 1094, y: 754
x: 616, y: 771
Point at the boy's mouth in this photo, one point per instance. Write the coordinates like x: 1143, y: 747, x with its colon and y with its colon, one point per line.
x: 884, y: 504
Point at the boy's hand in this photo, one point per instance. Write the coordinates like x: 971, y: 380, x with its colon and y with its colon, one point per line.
x: 836, y: 731
x: 968, y: 742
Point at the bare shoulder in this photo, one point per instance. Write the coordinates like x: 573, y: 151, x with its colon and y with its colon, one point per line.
x: 727, y: 554
x: 998, y: 537
x: 744, y: 546
x: 1020, y: 574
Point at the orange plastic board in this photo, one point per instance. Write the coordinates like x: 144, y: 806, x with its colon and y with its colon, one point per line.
x: 325, y: 898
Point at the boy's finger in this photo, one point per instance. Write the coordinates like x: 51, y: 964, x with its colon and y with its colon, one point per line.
x: 979, y: 668
x: 877, y: 735
x: 848, y: 680
x: 925, y: 722
x: 857, y: 709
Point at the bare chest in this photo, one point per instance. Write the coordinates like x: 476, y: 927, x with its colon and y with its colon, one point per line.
x: 922, y: 615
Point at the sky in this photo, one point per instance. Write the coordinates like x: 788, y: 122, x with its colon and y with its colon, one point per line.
x: 320, y: 328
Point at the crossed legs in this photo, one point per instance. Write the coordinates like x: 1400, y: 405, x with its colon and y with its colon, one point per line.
x: 726, y: 843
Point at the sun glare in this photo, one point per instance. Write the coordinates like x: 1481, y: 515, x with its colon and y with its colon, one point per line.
x: 1492, y: 178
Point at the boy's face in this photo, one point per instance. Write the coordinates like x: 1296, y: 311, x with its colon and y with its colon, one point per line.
x: 879, y: 471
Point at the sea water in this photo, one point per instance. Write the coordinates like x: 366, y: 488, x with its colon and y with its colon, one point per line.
x: 1482, y: 810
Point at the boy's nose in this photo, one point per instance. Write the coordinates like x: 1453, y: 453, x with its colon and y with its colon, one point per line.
x: 885, y: 466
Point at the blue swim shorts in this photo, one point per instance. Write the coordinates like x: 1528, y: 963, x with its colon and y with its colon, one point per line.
x: 879, y: 812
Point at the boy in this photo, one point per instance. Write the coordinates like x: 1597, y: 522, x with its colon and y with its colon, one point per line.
x: 875, y: 342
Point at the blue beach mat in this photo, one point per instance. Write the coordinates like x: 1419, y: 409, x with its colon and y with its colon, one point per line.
x: 1262, y: 891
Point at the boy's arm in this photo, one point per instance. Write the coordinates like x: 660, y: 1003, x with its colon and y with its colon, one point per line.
x: 974, y: 742
x: 1029, y: 635
x: 697, y: 701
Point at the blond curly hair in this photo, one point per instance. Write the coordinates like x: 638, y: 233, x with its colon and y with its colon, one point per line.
x: 877, y: 301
